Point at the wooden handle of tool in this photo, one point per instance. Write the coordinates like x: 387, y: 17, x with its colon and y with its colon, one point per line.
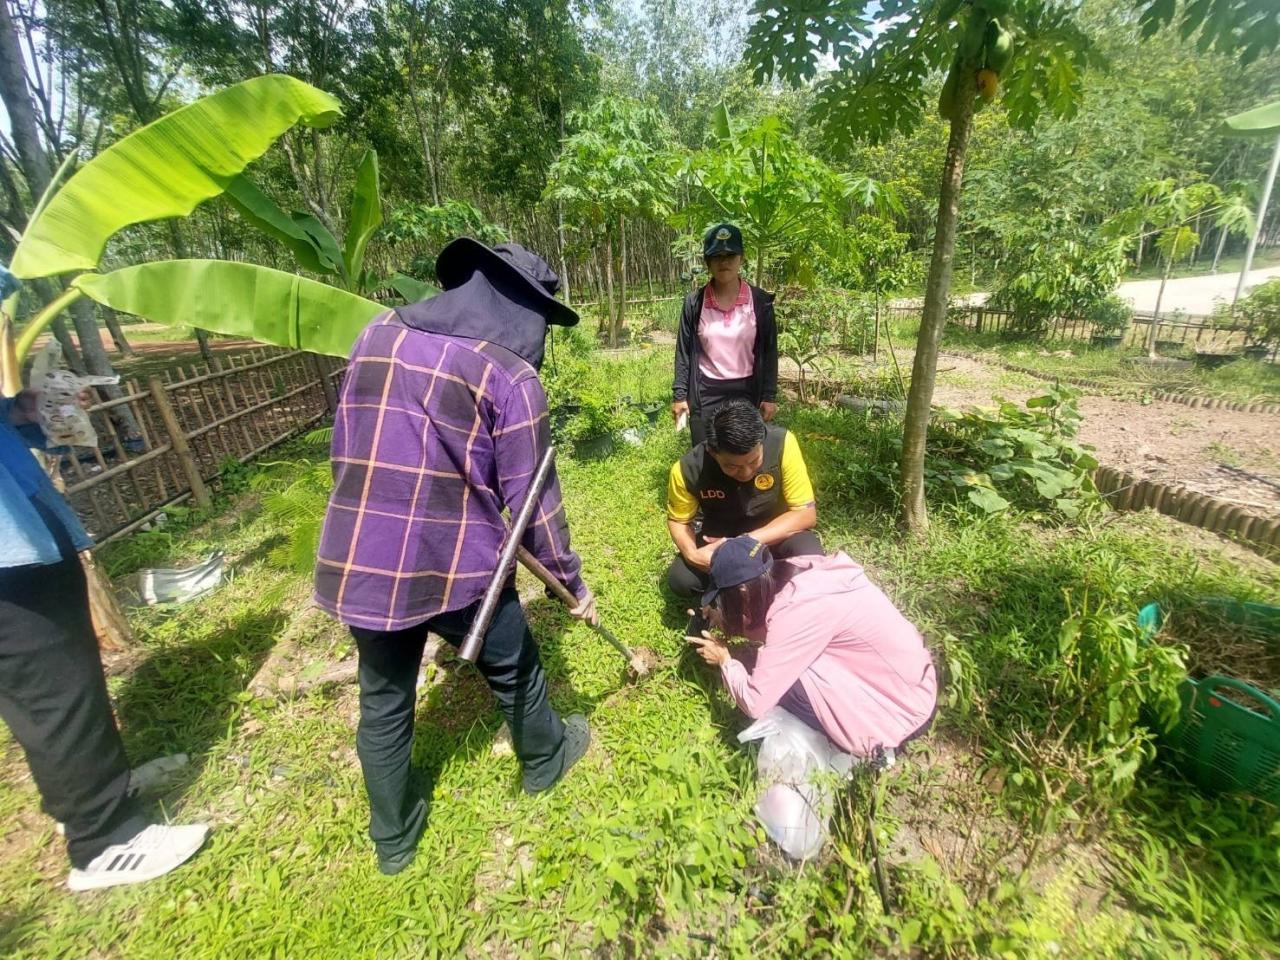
x: 470, y: 648
x: 534, y: 566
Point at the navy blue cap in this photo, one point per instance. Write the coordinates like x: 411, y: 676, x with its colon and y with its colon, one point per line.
x: 736, y: 561
x: 722, y: 238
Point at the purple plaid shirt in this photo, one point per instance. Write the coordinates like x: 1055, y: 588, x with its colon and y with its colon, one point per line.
x: 434, y: 436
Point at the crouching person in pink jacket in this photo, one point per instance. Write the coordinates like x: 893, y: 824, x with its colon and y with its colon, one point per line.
x: 834, y: 651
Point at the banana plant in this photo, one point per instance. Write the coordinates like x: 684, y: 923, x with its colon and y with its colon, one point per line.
x: 164, y: 170
x: 315, y: 248
x: 309, y: 240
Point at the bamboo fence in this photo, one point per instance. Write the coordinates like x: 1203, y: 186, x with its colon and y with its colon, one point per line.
x: 192, y: 422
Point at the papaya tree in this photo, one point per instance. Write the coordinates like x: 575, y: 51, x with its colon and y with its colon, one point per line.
x: 164, y: 170
x: 884, y: 56
x: 609, y: 169
x: 787, y: 202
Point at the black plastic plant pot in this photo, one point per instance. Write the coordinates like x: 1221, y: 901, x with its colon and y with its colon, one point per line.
x: 592, y: 448
x: 1211, y: 361
x: 1257, y: 351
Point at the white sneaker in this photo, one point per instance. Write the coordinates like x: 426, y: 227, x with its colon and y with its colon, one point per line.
x: 152, y: 853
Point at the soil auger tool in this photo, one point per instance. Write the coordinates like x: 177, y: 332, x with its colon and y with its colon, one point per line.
x: 641, y: 662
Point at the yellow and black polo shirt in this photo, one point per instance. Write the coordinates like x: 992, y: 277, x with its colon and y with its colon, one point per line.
x: 730, y: 508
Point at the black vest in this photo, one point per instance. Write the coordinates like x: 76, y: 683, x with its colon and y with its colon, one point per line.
x: 730, y: 508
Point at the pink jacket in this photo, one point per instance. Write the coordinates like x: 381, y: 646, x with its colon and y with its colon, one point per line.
x: 864, y: 667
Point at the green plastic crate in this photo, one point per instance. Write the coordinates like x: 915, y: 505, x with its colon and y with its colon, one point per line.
x: 1220, y: 744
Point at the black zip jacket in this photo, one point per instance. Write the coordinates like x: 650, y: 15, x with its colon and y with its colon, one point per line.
x: 765, y: 374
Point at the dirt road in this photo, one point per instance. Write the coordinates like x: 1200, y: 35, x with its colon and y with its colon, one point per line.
x: 1196, y: 295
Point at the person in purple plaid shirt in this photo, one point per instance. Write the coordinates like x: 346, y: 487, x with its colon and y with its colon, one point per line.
x: 440, y: 426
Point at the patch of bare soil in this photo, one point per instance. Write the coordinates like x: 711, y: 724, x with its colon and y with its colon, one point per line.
x: 945, y: 804
x: 1226, y: 454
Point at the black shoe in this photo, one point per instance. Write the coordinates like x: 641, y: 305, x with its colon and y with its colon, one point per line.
x: 577, y: 737
x: 391, y: 865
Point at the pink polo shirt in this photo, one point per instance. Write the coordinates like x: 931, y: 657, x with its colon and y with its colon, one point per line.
x: 864, y: 667
x: 727, y: 337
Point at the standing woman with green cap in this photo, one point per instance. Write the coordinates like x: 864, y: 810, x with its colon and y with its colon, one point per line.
x: 727, y: 345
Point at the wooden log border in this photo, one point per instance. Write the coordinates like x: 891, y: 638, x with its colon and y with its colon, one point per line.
x: 1168, y: 396
x: 1123, y: 491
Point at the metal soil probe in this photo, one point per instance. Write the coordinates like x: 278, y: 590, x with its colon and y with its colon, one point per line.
x: 639, y: 662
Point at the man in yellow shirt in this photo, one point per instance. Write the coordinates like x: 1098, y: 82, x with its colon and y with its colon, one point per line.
x: 747, y: 477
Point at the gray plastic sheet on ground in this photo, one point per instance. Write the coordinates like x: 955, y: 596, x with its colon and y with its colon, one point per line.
x: 170, y: 585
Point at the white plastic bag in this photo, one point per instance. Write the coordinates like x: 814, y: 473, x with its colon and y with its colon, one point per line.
x: 797, y: 767
x: 58, y: 404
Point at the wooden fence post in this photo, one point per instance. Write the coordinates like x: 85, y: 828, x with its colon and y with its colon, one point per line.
x: 179, y: 440
x: 330, y: 397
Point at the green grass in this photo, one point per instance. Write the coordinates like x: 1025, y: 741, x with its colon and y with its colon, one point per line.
x: 1243, y: 380
x: 649, y: 848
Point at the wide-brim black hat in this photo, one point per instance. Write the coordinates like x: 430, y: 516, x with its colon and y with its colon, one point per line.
x: 465, y: 255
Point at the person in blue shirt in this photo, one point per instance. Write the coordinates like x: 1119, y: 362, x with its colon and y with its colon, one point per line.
x: 53, y: 694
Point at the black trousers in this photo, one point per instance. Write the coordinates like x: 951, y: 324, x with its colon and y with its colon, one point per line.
x: 389, y: 665
x: 53, y: 696
x: 686, y: 581
x: 712, y: 393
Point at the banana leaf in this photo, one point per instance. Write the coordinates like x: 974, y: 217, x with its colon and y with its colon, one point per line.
x: 166, y: 169
x: 1262, y: 121
x: 366, y: 214
x: 312, y: 245
x: 411, y: 288
x: 237, y: 299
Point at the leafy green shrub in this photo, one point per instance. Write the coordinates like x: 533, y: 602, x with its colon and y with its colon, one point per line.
x: 1054, y: 268
x: 1111, y: 316
x: 1259, y: 312
x: 1014, y: 455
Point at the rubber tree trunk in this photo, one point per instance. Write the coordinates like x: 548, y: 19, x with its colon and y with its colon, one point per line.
x: 616, y: 338
x: 1155, y: 315
x: 924, y: 370
x: 112, y: 320
x: 98, y: 363
x: 608, y: 284
x: 179, y: 244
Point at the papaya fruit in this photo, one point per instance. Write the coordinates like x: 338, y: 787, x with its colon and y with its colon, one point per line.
x: 988, y: 84
x: 997, y: 46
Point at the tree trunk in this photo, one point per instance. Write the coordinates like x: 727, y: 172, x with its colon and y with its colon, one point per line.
x: 924, y: 369
x: 98, y: 364
x: 179, y: 244
x: 109, y: 621
x: 564, y: 266
x: 112, y: 320
x: 608, y: 284
x: 1155, y: 315
x: 1217, y: 254
x: 875, y: 343
x: 23, y: 125
x: 70, y: 352
x: 412, y: 92
x: 616, y: 338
